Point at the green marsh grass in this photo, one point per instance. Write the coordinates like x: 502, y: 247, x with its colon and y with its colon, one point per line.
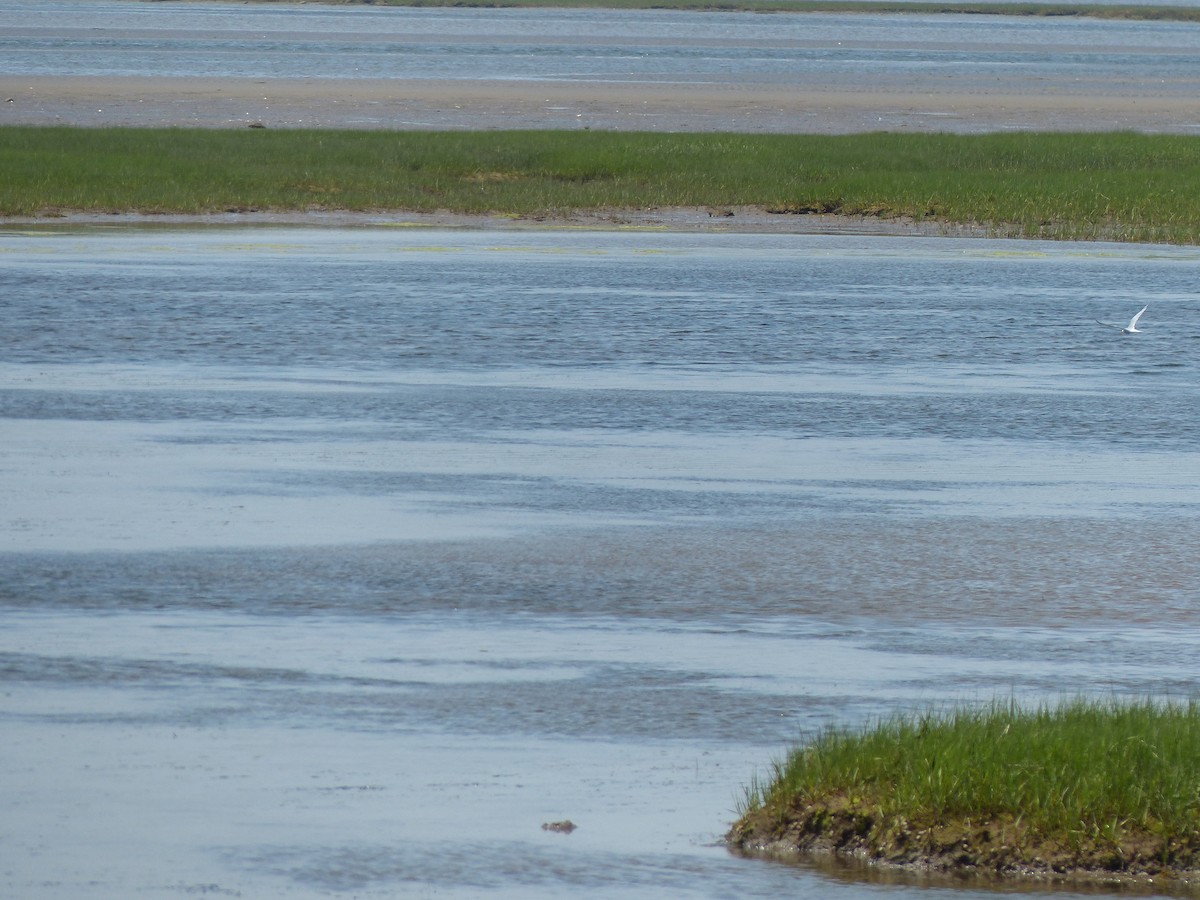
x: 1000, y: 8
x: 1094, y: 784
x: 1116, y: 185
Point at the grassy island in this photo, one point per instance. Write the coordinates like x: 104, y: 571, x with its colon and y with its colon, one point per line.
x: 1094, y: 789
x: 1111, y: 185
x: 892, y: 7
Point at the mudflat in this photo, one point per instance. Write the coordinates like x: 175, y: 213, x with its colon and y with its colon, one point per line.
x: 216, y: 102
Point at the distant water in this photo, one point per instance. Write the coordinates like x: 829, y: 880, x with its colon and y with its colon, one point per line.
x: 336, y: 562
x: 842, y: 52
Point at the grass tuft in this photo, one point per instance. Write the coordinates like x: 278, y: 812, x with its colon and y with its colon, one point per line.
x: 1087, y: 786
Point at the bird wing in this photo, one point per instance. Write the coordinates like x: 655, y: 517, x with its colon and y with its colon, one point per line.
x: 1133, y: 322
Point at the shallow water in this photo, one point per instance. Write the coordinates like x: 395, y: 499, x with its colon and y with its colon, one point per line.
x: 938, y: 53
x: 338, y: 561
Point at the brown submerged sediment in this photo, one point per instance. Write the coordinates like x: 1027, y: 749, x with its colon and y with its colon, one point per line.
x: 993, y: 849
x: 731, y: 220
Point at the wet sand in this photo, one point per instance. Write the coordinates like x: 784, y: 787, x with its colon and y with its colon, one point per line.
x: 467, y: 104
x: 739, y: 220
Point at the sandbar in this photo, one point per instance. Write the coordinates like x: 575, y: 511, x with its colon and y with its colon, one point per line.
x: 447, y: 104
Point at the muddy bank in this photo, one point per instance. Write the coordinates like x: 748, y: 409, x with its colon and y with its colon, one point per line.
x: 990, y: 851
x: 732, y: 220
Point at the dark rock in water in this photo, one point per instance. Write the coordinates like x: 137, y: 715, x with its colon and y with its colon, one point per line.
x: 566, y: 826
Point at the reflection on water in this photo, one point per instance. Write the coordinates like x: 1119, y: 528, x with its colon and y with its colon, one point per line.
x: 340, y: 561
x: 855, y: 872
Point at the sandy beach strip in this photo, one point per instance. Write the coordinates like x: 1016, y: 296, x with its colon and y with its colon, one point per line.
x: 478, y: 104
x: 731, y: 220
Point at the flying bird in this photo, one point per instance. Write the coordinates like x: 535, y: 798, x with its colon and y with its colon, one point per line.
x: 1131, y: 328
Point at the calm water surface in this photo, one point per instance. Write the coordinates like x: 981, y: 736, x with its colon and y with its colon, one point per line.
x: 336, y: 562
x: 843, y: 52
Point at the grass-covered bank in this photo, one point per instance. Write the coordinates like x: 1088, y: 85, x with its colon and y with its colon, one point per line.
x: 999, y: 8
x: 1121, y: 186
x: 1094, y: 787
